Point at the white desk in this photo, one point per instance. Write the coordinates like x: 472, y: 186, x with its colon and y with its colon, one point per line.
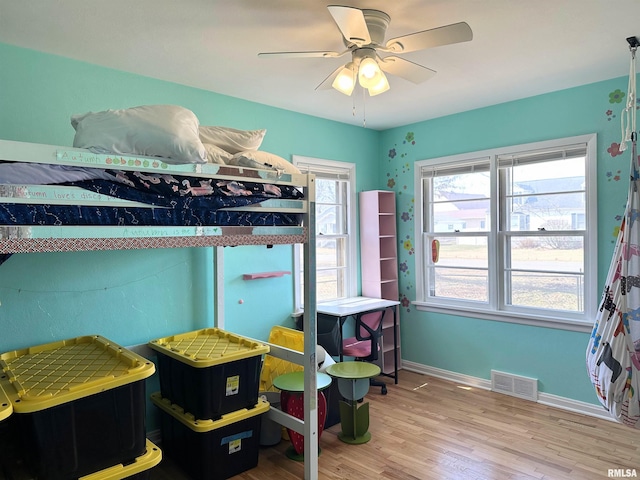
x: 356, y: 306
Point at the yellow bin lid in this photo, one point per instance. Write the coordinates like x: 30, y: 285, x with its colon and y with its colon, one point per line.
x: 47, y: 375
x: 6, y: 407
x: 202, y: 426
x: 149, y: 459
x: 208, y: 347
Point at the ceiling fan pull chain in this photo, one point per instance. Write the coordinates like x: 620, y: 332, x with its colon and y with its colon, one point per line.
x: 364, y: 109
x: 353, y: 101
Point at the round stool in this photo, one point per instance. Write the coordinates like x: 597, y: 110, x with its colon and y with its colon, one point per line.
x: 353, y: 384
x: 291, y: 386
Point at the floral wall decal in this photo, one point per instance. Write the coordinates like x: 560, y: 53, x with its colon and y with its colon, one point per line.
x: 614, y: 149
x: 405, y: 302
x: 408, y: 245
x: 400, y: 179
x: 616, y: 96
x: 613, y: 176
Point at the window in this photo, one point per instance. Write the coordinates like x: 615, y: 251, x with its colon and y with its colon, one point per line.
x: 510, y: 234
x: 335, y: 230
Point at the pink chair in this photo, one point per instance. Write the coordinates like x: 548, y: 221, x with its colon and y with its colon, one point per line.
x: 365, y: 345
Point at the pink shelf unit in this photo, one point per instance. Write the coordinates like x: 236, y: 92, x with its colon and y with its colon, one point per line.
x: 379, y: 264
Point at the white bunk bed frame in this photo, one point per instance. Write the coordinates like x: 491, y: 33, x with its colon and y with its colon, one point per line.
x: 27, y: 239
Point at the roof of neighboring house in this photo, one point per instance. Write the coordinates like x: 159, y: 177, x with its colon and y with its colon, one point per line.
x: 564, y: 201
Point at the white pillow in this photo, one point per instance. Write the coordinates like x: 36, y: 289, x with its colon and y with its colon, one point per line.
x: 216, y: 154
x: 232, y: 140
x: 166, y: 131
x: 263, y: 160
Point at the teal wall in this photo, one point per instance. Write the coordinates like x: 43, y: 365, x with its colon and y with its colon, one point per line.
x: 133, y: 296
x: 475, y: 347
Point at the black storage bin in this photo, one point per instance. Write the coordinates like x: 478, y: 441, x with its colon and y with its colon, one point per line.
x: 12, y: 467
x: 89, y: 434
x: 211, y: 449
x: 8, y: 450
x: 209, y: 372
x: 79, y: 405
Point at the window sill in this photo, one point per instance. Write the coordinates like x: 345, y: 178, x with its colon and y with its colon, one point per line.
x: 509, y: 317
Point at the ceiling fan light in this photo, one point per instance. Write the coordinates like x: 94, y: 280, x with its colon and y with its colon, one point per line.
x: 381, y: 87
x: 369, y: 73
x: 345, y: 80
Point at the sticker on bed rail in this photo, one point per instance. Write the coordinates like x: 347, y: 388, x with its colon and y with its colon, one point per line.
x: 156, y: 164
x: 106, y: 232
x: 61, y: 195
x: 125, y: 162
x: 133, y: 232
x: 109, y: 160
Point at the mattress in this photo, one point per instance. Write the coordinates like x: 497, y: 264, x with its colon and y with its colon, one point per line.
x: 104, y: 202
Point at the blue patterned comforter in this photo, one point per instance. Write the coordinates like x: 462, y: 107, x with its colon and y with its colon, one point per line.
x: 173, y: 201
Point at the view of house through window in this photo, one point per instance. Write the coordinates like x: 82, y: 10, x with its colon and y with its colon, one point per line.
x: 510, y: 231
x: 335, y: 245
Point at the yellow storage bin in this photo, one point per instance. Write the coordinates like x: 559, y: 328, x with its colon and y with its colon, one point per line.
x: 47, y: 375
x: 79, y: 405
x: 6, y: 407
x: 139, y: 469
x: 209, y: 372
x: 274, y: 367
x: 211, y: 449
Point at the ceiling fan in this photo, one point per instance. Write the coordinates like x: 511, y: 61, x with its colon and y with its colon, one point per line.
x: 363, y: 33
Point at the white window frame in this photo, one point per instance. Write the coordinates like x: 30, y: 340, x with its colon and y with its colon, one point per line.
x: 493, y: 310
x: 332, y: 168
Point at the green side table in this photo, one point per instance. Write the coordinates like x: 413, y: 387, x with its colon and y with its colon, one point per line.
x: 291, y: 386
x: 353, y: 384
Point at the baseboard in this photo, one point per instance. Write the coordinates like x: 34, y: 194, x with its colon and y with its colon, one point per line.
x: 575, y: 406
x: 447, y: 375
x: 547, y: 399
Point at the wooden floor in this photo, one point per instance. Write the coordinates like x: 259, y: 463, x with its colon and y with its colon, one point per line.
x: 426, y: 428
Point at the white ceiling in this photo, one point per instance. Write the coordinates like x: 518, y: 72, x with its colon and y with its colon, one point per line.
x: 520, y: 48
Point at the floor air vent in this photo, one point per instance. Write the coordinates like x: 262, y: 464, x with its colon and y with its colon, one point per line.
x: 522, y: 387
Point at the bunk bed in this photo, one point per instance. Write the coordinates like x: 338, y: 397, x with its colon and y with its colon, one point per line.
x: 99, y: 207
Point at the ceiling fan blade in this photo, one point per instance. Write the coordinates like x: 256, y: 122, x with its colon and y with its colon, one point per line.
x: 351, y: 23
x: 327, y: 82
x: 454, y: 33
x: 405, y: 69
x: 303, y: 54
